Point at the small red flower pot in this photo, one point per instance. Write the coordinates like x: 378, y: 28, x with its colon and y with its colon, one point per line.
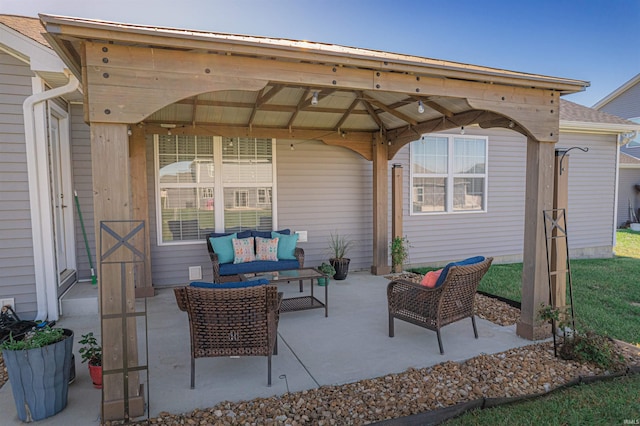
x: 95, y: 371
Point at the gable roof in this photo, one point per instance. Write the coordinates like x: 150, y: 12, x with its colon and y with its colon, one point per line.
x: 620, y: 90
x: 27, y: 26
x: 578, y: 117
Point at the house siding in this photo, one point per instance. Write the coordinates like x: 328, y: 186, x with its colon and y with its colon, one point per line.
x: 83, y: 185
x: 591, y: 203
x: 320, y: 189
x: 498, y: 232
x: 628, y: 178
x: 625, y: 105
x: 16, y: 246
x: 323, y: 189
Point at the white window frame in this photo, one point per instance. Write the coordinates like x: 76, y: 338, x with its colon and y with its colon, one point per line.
x: 450, y: 175
x: 218, y: 191
x: 264, y: 196
x: 240, y: 195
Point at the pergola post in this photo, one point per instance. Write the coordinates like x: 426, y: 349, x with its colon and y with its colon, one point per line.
x: 380, y: 264
x: 538, y: 197
x: 112, y: 201
x: 140, y: 202
x: 396, y: 207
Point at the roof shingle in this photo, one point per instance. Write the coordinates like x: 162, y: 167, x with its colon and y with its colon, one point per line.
x: 27, y: 26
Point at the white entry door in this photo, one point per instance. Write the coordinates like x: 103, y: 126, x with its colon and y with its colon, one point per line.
x: 61, y: 196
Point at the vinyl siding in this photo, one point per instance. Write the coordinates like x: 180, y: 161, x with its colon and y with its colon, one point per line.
x: 590, y: 217
x: 626, y: 105
x: 16, y: 246
x: 323, y: 189
x: 439, y: 238
x: 83, y: 184
x: 627, y: 192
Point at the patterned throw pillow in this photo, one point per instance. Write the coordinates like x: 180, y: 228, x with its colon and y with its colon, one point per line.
x: 243, y: 250
x: 266, y: 248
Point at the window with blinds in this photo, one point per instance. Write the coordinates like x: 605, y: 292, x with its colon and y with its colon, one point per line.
x: 448, y: 174
x: 195, y: 171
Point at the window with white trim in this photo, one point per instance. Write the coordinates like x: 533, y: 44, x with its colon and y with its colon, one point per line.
x: 194, y: 171
x: 449, y: 174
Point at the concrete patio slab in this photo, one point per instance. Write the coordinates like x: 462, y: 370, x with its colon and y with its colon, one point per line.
x: 351, y: 344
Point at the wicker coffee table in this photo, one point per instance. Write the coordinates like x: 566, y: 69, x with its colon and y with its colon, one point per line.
x: 300, y: 303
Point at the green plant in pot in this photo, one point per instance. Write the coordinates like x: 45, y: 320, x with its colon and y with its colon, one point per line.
x: 399, y: 252
x: 49, y: 351
x: 339, y: 245
x: 328, y: 270
x: 91, y: 352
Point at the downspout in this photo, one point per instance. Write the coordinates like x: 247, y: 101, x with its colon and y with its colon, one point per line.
x: 45, y: 268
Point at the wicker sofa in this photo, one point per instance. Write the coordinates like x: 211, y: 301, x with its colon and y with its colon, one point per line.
x: 224, y: 268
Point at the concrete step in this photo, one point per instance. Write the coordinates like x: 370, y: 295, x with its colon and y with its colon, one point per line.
x: 81, y: 299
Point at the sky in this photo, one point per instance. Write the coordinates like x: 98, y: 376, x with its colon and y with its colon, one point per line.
x: 592, y: 40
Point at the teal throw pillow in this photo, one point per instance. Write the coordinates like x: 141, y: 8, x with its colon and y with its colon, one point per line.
x: 223, y: 246
x: 286, y: 245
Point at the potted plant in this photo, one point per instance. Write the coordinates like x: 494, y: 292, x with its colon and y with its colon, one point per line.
x: 328, y: 270
x: 339, y: 245
x: 92, y: 352
x: 399, y: 252
x: 47, y: 351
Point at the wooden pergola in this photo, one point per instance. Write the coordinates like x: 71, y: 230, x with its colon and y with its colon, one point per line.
x: 139, y: 79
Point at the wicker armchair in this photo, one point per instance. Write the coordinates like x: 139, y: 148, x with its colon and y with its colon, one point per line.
x: 231, y: 322
x: 433, y: 308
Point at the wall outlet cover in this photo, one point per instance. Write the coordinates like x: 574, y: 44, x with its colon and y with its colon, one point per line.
x: 195, y: 272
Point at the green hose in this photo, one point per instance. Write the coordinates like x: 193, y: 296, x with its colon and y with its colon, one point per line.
x: 94, y: 278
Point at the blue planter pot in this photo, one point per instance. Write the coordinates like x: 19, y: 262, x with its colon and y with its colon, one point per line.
x: 40, y: 378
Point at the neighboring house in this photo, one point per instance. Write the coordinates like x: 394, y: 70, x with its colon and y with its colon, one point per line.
x: 305, y: 185
x: 625, y: 102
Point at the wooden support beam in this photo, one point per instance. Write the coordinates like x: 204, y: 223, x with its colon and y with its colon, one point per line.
x: 538, y: 197
x: 346, y: 114
x: 127, y: 84
x: 111, y: 188
x: 301, y: 103
x: 263, y: 99
x: 372, y: 113
x: 396, y: 209
x: 380, y: 264
x: 266, y: 107
x: 194, y: 110
x: 437, y: 107
x: 391, y: 111
x: 140, y: 203
x: 401, y: 137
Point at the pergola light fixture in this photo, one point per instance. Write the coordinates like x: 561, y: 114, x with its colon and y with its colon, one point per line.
x: 314, y: 98
x: 420, y: 107
x: 168, y: 127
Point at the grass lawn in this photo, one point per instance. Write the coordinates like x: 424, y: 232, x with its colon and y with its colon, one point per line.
x: 608, y: 402
x: 607, y: 300
x: 606, y: 292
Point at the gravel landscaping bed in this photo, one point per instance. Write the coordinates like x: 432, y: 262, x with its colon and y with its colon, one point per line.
x: 517, y: 372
